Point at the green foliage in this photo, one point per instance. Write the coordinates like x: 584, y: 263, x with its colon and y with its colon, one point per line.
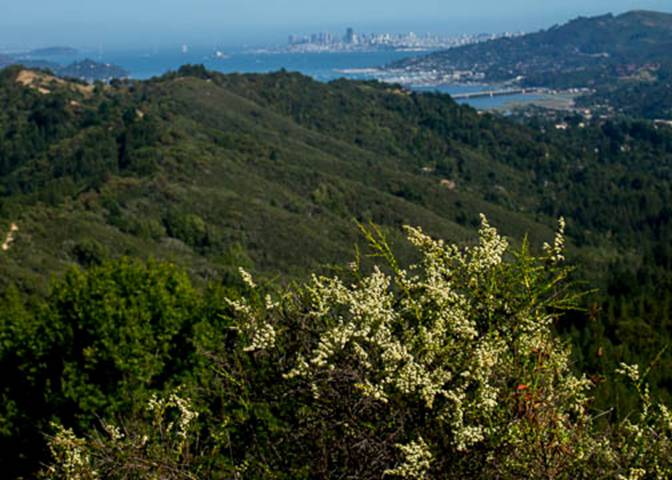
x: 103, y: 342
x: 189, y: 228
x: 89, y: 252
x: 128, y: 323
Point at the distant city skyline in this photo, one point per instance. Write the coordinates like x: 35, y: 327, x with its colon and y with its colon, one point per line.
x: 353, y: 40
x: 126, y: 23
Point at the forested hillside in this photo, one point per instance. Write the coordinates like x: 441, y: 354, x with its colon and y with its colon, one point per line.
x: 189, y: 165
x: 648, y: 97
x: 212, y: 172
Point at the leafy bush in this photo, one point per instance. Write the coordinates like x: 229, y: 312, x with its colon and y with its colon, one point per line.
x: 103, y: 343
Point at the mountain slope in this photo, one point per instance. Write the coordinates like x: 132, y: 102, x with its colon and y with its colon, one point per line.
x: 187, y: 170
x: 582, y: 52
x: 270, y: 171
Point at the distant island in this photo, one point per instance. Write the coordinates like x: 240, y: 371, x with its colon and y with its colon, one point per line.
x: 53, y: 51
x: 86, y: 70
x: 89, y: 70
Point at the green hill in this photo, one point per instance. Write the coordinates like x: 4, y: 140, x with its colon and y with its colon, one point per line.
x: 210, y: 170
x: 191, y: 170
x: 646, y: 97
x: 583, y: 52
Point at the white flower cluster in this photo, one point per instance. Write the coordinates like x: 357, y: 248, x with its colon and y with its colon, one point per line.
x: 666, y: 417
x: 186, y: 415
x: 490, y: 251
x: 113, y: 431
x: 247, y: 278
x: 556, y: 252
x: 263, y: 339
x: 417, y: 461
x: 634, y: 474
x: 262, y: 333
x: 71, y: 456
x: 629, y: 371
x: 462, y: 331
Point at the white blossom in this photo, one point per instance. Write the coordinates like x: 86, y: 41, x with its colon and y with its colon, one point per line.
x: 417, y: 461
x: 263, y: 339
x: 247, y: 278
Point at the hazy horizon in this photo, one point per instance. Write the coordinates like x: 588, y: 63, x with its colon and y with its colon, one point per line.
x: 127, y: 24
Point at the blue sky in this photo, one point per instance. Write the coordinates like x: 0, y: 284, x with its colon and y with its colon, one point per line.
x: 136, y: 22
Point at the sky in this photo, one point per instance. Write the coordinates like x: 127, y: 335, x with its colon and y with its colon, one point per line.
x: 135, y: 23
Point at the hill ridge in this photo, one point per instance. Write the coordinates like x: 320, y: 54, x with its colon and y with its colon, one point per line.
x: 553, y: 57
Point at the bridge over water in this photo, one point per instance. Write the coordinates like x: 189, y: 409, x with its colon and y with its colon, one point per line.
x: 495, y: 93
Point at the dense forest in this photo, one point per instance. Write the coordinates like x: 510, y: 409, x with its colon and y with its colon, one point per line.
x: 127, y: 209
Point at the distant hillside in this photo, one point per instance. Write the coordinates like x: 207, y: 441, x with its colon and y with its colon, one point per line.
x: 270, y: 171
x: 86, y: 70
x: 636, y: 97
x: 583, y: 52
x: 89, y: 70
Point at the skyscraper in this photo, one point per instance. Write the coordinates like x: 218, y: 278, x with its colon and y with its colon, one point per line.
x: 350, y: 36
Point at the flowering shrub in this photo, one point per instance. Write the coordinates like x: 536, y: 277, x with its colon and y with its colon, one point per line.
x: 155, y: 448
x: 449, y: 368
x: 462, y: 340
x: 70, y: 455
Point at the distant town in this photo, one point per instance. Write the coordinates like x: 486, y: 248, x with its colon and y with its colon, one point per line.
x: 355, y: 41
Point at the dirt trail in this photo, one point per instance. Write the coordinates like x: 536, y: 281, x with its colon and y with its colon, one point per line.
x: 40, y: 81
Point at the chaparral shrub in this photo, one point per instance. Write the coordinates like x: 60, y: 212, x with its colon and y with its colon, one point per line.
x: 449, y: 368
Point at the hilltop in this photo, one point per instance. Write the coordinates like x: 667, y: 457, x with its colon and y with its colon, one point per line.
x: 86, y: 70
